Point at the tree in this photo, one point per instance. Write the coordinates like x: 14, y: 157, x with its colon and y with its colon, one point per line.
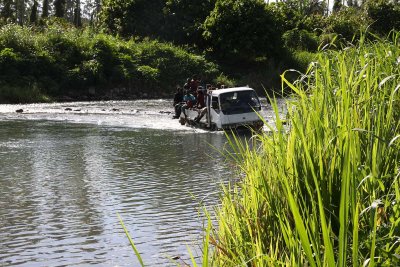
x: 133, y: 17
x: 33, y: 15
x: 70, y: 10
x: 385, y: 16
x: 20, y: 10
x: 45, y: 9
x: 59, y: 6
x: 243, y: 29
x: 307, y: 7
x: 184, y: 19
x: 91, y: 10
x: 7, y: 12
x: 77, y: 14
x: 337, y: 5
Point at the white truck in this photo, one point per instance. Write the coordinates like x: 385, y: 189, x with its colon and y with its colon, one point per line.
x: 228, y: 108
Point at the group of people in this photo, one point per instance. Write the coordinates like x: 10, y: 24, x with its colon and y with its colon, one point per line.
x: 191, y: 96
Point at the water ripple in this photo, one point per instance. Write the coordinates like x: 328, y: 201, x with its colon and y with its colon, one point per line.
x: 61, y: 186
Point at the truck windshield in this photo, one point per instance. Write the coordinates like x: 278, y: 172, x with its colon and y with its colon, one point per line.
x: 239, y: 102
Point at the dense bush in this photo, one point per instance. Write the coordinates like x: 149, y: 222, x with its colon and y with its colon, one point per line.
x: 184, y: 19
x: 348, y: 24
x: 252, y: 42
x: 384, y: 16
x: 242, y: 29
x: 133, y: 17
x: 301, y: 39
x: 64, y: 61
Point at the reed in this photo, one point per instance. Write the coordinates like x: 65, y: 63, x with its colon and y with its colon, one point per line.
x: 322, y: 190
x: 137, y: 253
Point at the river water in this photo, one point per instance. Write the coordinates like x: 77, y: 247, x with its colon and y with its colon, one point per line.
x: 67, y: 169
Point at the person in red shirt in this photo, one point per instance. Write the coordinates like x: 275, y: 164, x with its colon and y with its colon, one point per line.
x: 194, y: 83
x: 200, y: 104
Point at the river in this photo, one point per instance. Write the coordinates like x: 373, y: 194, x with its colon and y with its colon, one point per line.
x: 67, y: 169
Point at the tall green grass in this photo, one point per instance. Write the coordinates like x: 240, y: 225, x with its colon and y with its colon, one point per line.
x: 322, y: 190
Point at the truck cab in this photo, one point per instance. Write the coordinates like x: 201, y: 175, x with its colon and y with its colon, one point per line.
x: 228, y: 108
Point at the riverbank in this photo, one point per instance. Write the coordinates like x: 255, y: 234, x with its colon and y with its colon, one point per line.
x: 59, y: 62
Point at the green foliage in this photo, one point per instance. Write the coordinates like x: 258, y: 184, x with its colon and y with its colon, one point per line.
x: 242, y: 29
x: 302, y: 59
x: 300, y: 39
x: 287, y: 16
x: 348, y: 23
x: 384, y: 16
x: 253, y: 41
x: 61, y: 60
x: 133, y: 17
x: 314, y: 23
x: 322, y: 187
x: 224, y: 80
x: 7, y: 12
x: 20, y: 39
x: 21, y: 91
x: 33, y: 15
x: 63, y: 49
x: 7, y: 57
x: 59, y: 7
x: 45, y: 9
x: 9, y: 61
x: 184, y: 19
x: 170, y: 62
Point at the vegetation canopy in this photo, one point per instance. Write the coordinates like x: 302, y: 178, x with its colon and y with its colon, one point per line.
x: 247, y: 42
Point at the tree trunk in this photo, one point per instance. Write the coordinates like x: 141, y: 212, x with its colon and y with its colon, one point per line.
x: 45, y: 9
x: 33, y: 15
x: 77, y: 14
x: 59, y: 6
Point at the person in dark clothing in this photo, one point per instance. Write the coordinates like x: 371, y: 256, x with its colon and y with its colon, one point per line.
x: 178, y: 102
x: 200, y: 98
x: 186, y: 86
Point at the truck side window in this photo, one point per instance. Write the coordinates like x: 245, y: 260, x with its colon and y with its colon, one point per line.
x: 214, y: 103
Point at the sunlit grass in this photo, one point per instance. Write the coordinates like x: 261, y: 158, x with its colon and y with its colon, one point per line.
x: 322, y: 190
x: 138, y: 256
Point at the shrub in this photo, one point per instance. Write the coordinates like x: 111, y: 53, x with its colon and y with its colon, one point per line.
x: 384, y: 15
x: 64, y: 50
x: 242, y: 29
x: 173, y: 64
x: 224, y: 80
x: 348, y: 23
x: 302, y: 60
x: 61, y: 60
x: 300, y: 39
x: 21, y: 39
x: 9, y: 62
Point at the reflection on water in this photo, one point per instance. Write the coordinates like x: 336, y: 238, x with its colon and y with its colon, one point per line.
x: 66, y: 169
x: 62, y: 184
